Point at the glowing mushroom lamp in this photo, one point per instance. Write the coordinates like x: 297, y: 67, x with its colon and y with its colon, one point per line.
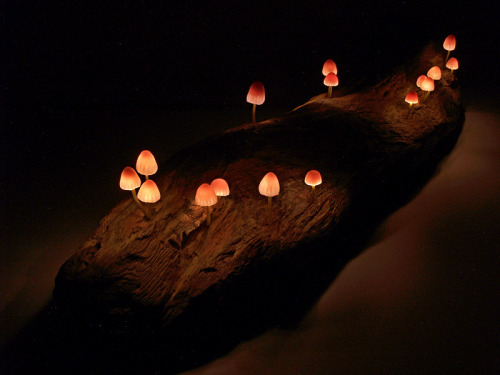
x: 256, y: 96
x: 434, y: 73
x: 146, y: 164
x: 329, y: 67
x: 205, y: 196
x: 149, y: 193
x: 411, y: 98
x: 269, y: 186
x: 427, y: 86
x: 129, y: 180
x: 331, y: 80
x: 449, y: 44
x: 452, y: 64
x: 220, y: 187
x: 313, y: 178
x: 420, y: 80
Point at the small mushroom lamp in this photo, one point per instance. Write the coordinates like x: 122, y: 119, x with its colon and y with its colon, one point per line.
x: 420, y: 80
x: 269, y: 186
x: 411, y: 98
x: 146, y: 164
x: 206, y: 197
x: 329, y: 67
x: 149, y: 193
x: 449, y: 44
x: 434, y: 73
x: 427, y: 86
x: 313, y: 178
x: 130, y: 180
x: 331, y: 80
x: 256, y: 96
x: 220, y: 187
x: 452, y: 64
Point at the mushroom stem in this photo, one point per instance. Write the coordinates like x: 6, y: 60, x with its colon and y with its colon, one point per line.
x: 426, y: 95
x: 329, y: 91
x: 147, y: 177
x: 269, y: 201
x: 447, y: 56
x: 143, y: 209
x: 208, y: 215
x: 253, y: 113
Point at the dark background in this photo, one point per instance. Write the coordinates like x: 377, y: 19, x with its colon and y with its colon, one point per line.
x: 85, y: 86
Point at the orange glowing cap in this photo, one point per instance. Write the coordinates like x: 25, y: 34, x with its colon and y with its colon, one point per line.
x: 434, y: 73
x: 452, y: 64
x: 269, y: 186
x: 256, y: 93
x: 427, y: 84
x: 146, y: 163
x: 411, y: 97
x: 220, y: 187
x: 420, y: 80
x: 450, y: 43
x: 313, y: 178
x: 129, y: 180
x: 149, y: 193
x: 329, y: 67
x: 331, y: 79
x: 205, y: 196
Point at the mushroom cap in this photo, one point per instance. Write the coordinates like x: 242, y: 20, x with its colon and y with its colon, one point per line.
x: 420, y: 80
x: 331, y: 79
x: 129, y: 179
x: 146, y: 163
x: 411, y: 97
x: 313, y: 178
x: 450, y: 43
x: 149, y: 193
x: 434, y: 73
x: 427, y: 84
x: 205, y: 196
x: 256, y: 93
x: 269, y: 185
x: 220, y: 187
x: 452, y: 63
x: 329, y: 67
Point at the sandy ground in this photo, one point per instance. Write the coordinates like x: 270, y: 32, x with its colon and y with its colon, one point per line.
x: 422, y: 299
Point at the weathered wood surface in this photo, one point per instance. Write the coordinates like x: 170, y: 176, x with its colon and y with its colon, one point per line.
x: 173, y: 270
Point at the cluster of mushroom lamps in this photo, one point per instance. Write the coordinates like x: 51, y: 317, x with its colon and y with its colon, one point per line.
x: 427, y: 82
x: 148, y: 191
x: 208, y: 195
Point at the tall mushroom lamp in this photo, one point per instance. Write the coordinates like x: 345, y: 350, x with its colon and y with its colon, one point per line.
x: 427, y: 86
x: 269, y: 186
x: 452, y: 64
x: 329, y: 67
x: 256, y: 96
x: 146, y: 164
x: 411, y: 98
x: 313, y: 178
x: 205, y: 197
x: 220, y: 187
x: 149, y: 193
x: 130, y: 180
x: 331, y: 80
x: 450, y: 43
